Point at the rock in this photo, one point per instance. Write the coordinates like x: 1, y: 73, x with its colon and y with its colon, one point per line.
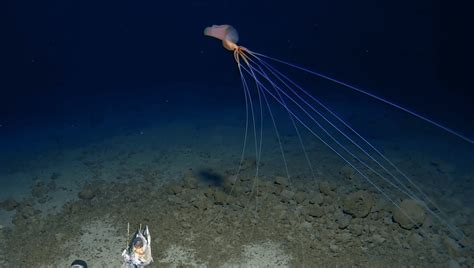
x: 410, y: 214
x: 281, y: 180
x: 300, y: 197
x: 316, y: 198
x: 9, y: 204
x: 43, y: 199
x: 414, y: 240
x: 316, y: 211
x: 356, y: 229
x: 202, y: 204
x: 51, y: 186
x: 325, y: 188
x: 345, y: 237
x: 87, y: 193
x: 387, y: 220
x: 55, y: 176
x: 453, y: 247
x: 380, y: 206
x: 228, y: 184
x: 306, y: 225
x: 358, y: 204
x: 59, y: 237
x: 190, y: 180
x: 220, y: 198
x: 175, y: 189
x: 39, y: 190
x: 248, y: 164
x: 378, y: 239
x: 286, y: 195
x: 347, y: 172
x: 343, y: 221
x: 175, y: 200
x: 333, y: 248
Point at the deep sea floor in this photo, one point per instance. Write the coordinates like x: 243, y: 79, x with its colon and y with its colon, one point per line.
x: 69, y: 188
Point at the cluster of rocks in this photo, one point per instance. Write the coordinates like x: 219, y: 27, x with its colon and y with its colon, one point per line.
x: 356, y: 218
x: 321, y: 216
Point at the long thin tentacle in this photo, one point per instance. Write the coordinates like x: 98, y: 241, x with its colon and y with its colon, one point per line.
x: 418, y: 115
x: 426, y: 199
x: 333, y: 148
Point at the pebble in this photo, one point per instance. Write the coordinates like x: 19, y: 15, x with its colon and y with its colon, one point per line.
x: 453, y: 247
x: 220, y: 198
x: 281, y: 180
x: 286, y: 195
x: 316, y: 211
x: 300, y: 197
x: 343, y: 221
x: 316, y: 198
x: 325, y: 188
x: 87, y: 193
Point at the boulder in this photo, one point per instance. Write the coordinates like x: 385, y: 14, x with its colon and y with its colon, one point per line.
x: 358, y: 204
x: 409, y: 214
x: 300, y: 197
x: 316, y: 211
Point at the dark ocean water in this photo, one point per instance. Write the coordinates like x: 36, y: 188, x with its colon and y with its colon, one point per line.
x: 124, y: 112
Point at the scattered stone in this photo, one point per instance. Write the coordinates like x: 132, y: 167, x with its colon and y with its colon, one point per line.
x: 380, y: 206
x: 51, y: 186
x: 410, y: 214
x: 220, y: 198
x: 175, y: 189
x: 387, y: 220
x: 347, y: 172
x: 343, y: 220
x: 316, y: 198
x: 306, y: 225
x: 300, y: 197
x: 345, y: 237
x: 87, y: 193
x: 316, y: 211
x: 286, y: 195
x: 358, y: 204
x: 9, y: 204
x: 414, y: 240
x: 378, y: 239
x: 228, y: 183
x: 453, y: 247
x: 202, y: 204
x: 190, y: 181
x: 281, y: 180
x: 325, y: 188
x: 39, y: 190
x: 55, y: 176
x: 356, y: 229
x: 177, y: 201
x: 59, y: 237
x: 43, y: 199
x: 248, y: 164
x: 74, y: 208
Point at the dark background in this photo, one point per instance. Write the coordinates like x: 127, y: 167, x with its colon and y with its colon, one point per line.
x: 417, y: 53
